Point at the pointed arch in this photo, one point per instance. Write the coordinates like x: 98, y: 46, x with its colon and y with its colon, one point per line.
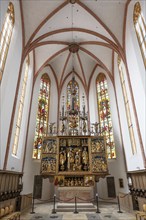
x: 69, y: 92
x: 20, y: 109
x: 127, y: 106
x: 104, y: 112
x: 5, y: 36
x: 42, y: 115
x: 140, y: 28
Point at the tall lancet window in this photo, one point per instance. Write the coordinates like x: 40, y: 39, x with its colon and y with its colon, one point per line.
x: 127, y: 106
x: 20, y: 109
x: 140, y: 27
x: 70, y: 87
x: 42, y: 115
x: 5, y: 37
x: 105, y: 114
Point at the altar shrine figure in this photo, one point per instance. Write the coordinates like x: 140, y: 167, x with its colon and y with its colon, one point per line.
x: 77, y: 159
x: 77, y: 165
x: 70, y: 159
x: 62, y: 128
x: 85, y: 159
x: 62, y: 159
x: 84, y: 127
x: 51, y: 128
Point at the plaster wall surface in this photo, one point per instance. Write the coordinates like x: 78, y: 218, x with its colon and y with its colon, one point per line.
x: 10, y: 75
x: 117, y: 167
x: 15, y: 163
x: 136, y: 71
x: 32, y: 166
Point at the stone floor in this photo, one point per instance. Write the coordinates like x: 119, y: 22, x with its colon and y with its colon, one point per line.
x: 107, y: 212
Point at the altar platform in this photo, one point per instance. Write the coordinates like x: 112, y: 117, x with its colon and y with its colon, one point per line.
x: 68, y: 194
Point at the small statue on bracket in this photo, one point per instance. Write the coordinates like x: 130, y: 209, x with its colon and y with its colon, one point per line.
x: 84, y: 126
x: 62, y: 159
x: 51, y: 125
x: 85, y: 159
x: 97, y: 129
x: 62, y: 128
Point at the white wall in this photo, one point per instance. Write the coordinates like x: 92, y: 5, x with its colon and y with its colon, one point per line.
x: 116, y: 166
x: 134, y: 161
x: 136, y: 68
x: 10, y: 75
x: 16, y: 162
x: 137, y: 78
x: 32, y: 166
x: 93, y: 100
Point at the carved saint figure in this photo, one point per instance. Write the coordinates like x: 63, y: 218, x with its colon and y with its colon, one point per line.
x: 84, y: 126
x: 51, y: 127
x: 62, y: 156
x: 70, y: 158
x: 85, y: 157
x: 77, y: 159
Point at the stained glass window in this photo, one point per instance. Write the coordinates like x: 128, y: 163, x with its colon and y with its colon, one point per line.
x: 105, y: 114
x: 70, y: 87
x: 42, y: 115
x: 20, y: 110
x: 140, y: 27
x: 5, y: 37
x: 127, y: 106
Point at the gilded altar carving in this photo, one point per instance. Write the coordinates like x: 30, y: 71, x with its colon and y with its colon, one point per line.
x: 48, y: 165
x: 89, y: 181
x: 62, y: 158
x: 99, y: 164
x: 75, y: 155
x: 49, y: 146
x: 97, y: 145
x: 71, y: 181
x: 74, y: 161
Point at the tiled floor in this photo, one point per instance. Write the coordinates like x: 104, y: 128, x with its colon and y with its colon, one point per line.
x: 108, y: 212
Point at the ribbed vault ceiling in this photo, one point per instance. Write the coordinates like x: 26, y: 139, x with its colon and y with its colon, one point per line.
x: 95, y: 27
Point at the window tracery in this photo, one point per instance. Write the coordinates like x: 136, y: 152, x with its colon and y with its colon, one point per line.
x: 127, y: 106
x: 69, y: 94
x: 42, y: 115
x: 5, y: 36
x: 105, y: 114
x: 20, y: 110
x: 140, y: 28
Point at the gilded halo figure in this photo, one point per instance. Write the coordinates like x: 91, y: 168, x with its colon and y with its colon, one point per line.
x: 62, y: 159
x: 70, y: 159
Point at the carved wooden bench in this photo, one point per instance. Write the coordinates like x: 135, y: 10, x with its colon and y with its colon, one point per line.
x: 140, y: 215
x: 8, y: 213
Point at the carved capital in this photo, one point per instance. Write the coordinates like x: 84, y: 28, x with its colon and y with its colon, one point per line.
x: 137, y: 12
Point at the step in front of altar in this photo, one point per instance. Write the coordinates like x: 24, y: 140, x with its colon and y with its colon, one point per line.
x: 70, y: 207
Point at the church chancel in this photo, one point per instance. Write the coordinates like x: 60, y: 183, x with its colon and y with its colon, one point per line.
x: 73, y: 126
x: 75, y: 162
x: 74, y: 158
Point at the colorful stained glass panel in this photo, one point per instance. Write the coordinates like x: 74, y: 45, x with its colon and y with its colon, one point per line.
x: 42, y: 115
x: 105, y: 114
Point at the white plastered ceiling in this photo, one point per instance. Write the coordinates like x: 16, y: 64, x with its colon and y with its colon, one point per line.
x: 96, y: 26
